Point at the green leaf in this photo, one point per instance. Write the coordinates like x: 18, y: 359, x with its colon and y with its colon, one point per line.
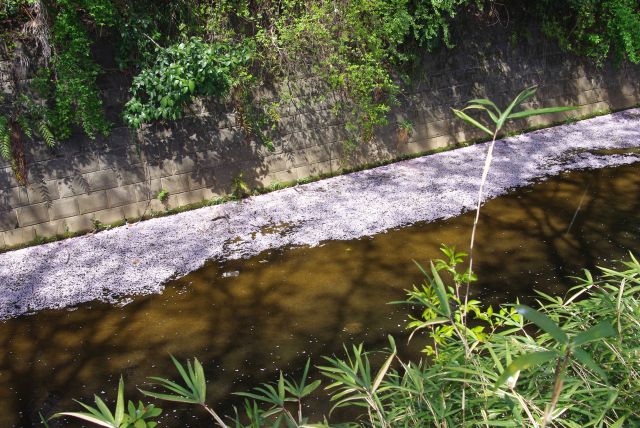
x: 588, y: 362
x: 619, y: 422
x: 522, y: 96
x: 441, y: 292
x: 119, y: 415
x: 543, y: 322
x: 86, y: 417
x: 169, y: 397
x: 485, y: 102
x: 524, y: 362
x: 104, y: 410
x: 382, y: 372
x: 462, y: 115
x: 599, y: 331
x: 200, y: 381
x: 491, y: 114
x: 187, y: 379
x: 539, y: 111
x: 311, y: 387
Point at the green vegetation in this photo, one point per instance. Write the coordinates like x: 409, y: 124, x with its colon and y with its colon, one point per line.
x: 597, y: 29
x: 180, y: 73
x: 571, y: 363
x: 499, y: 118
x: 176, y: 51
x: 162, y: 195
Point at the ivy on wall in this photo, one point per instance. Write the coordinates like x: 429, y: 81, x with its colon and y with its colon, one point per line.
x: 597, y: 29
x: 178, y: 50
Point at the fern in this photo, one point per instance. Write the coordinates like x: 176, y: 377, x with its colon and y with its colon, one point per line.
x: 5, y: 139
x: 46, y: 134
x: 25, y: 125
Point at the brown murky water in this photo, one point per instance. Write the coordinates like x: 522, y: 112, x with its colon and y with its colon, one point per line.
x: 287, y: 305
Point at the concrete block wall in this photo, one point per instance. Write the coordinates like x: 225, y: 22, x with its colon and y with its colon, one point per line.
x: 116, y: 178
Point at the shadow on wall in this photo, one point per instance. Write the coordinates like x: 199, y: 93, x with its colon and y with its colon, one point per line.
x: 197, y: 158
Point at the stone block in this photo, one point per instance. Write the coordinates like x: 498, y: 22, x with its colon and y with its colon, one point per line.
x: 276, y: 163
x: 160, y: 169
x: 50, y: 229
x: 81, y: 223
x: 43, y: 192
x: 13, y: 198
x: 63, y: 208
x: 185, y: 164
x: 176, y: 184
x: 314, y: 169
x: 191, y: 197
x: 72, y: 186
x: 7, y: 179
x: 109, y: 216
x: 311, y: 155
x: 40, y: 152
x: 8, y: 220
x: 136, y: 210
x: 2, y: 244
x: 200, y: 178
x: 131, y: 174
x: 438, y: 142
x: 209, y: 158
x: 156, y: 206
x: 121, y: 195
x: 283, y: 176
x: 134, y: 153
x: 100, y: 180
x: 147, y: 190
x: 33, y: 214
x: 210, y: 194
x: 93, y: 202
x: 171, y: 202
x: 83, y: 163
x: 20, y: 236
x: 119, y: 136
x: 113, y: 158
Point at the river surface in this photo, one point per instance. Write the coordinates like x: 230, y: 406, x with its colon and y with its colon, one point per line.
x: 247, y: 319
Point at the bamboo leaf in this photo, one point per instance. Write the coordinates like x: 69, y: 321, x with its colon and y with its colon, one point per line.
x: 599, y: 331
x: 619, y: 422
x: 522, y: 96
x: 535, y: 112
x: 311, y: 387
x: 485, y: 102
x: 524, y: 362
x: 86, y: 417
x: 491, y: 114
x: 382, y: 372
x: 462, y: 115
x: 119, y: 415
x: 172, y: 386
x: 543, y: 322
x: 588, y: 362
x: 200, y: 380
x: 106, y: 413
x: 169, y: 397
x: 441, y: 292
x: 183, y: 373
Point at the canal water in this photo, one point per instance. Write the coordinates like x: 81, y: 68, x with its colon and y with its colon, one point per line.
x: 247, y: 319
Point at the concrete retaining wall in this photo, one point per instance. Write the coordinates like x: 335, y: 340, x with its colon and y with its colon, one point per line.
x: 83, y: 182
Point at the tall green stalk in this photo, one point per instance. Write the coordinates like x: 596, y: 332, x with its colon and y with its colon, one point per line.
x: 499, y: 119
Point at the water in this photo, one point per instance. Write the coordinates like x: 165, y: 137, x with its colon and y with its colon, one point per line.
x: 248, y: 319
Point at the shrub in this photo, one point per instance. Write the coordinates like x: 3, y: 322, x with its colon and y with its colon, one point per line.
x: 571, y: 363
